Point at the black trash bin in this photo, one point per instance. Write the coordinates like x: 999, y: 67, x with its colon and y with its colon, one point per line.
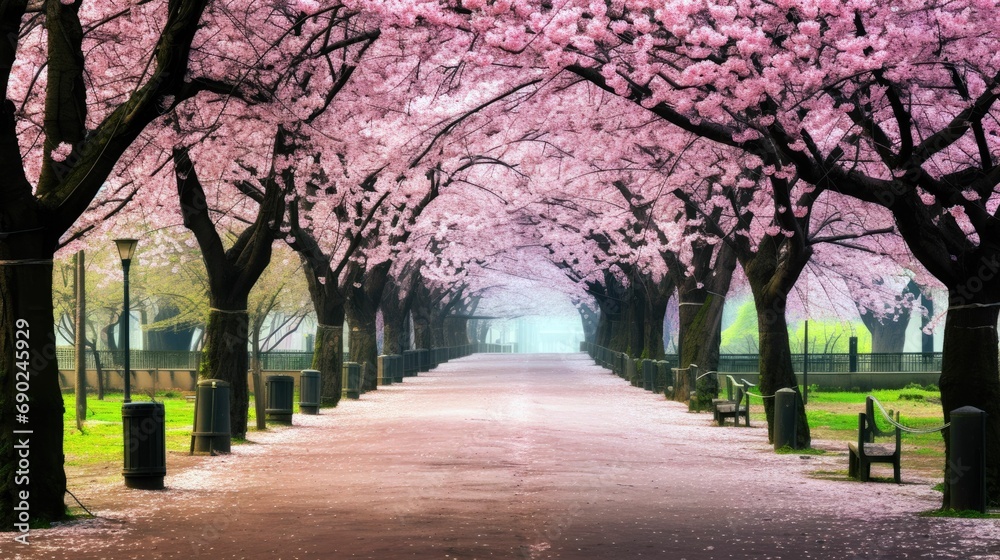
x: 145, y: 445
x: 280, y: 395
x: 397, y: 369
x: 352, y: 381
x: 385, y: 375
x: 648, y: 374
x: 212, y: 432
x: 309, y: 392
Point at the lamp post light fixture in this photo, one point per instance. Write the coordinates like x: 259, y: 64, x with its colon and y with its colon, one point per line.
x: 145, y: 453
x: 126, y: 249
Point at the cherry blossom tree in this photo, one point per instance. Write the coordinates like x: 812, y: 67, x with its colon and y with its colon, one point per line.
x: 892, y: 104
x: 81, y: 83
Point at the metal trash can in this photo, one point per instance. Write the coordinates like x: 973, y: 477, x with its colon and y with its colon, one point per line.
x: 352, y: 381
x: 397, y: 368
x: 385, y: 375
x: 280, y: 394
x: 212, y: 433
x: 648, y: 374
x: 409, y: 363
x: 423, y: 359
x: 145, y: 445
x: 785, y: 419
x: 309, y: 400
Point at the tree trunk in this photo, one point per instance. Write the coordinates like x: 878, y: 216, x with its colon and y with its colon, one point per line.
x: 422, y: 337
x: 225, y: 357
x: 394, y: 334
x: 700, y: 333
x: 437, y: 331
x: 701, y: 302
x: 395, y: 312
x: 590, y: 319
x: 328, y: 356
x: 363, y: 345
x: 362, y: 306
x: 653, y: 334
x: 635, y: 322
x: 27, y: 351
x: 889, y: 333
x: 170, y: 338
x: 970, y: 376
x: 926, y: 339
x: 457, y: 331
x: 775, y: 366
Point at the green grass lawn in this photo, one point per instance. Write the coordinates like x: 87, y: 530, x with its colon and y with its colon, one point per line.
x: 833, y: 416
x: 102, y: 442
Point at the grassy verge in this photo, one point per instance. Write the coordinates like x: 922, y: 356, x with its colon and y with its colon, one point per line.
x: 833, y: 417
x: 97, y: 451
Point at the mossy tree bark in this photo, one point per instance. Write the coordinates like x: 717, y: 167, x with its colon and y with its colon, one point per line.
x: 364, y: 295
x: 702, y: 298
x: 771, y: 280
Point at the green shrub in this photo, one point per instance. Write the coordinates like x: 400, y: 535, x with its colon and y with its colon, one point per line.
x: 171, y: 394
x: 903, y: 396
x: 916, y: 386
x: 932, y: 388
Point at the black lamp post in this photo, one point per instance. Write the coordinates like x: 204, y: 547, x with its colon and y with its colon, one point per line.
x: 145, y: 454
x: 126, y: 249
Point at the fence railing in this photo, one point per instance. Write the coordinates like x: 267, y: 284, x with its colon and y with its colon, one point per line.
x: 170, y: 360
x: 903, y: 362
x: 914, y: 362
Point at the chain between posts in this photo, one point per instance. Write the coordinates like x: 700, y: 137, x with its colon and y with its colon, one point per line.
x: 902, y: 427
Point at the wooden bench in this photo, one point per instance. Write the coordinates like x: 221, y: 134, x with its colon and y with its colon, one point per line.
x: 738, y: 403
x: 730, y: 382
x: 866, y: 451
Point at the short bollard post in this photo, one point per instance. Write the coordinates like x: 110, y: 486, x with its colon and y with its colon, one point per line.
x: 424, y: 359
x: 785, y: 418
x: 630, y: 370
x: 385, y: 376
x: 648, y: 374
x: 967, y: 465
x: 309, y: 392
x: 280, y: 395
x: 211, y: 434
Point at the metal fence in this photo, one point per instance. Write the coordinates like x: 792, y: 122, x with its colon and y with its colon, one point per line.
x: 139, y: 359
x: 905, y: 362
x: 912, y: 362
x: 171, y: 360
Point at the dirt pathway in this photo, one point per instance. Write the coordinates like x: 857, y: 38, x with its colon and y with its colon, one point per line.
x: 543, y: 456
